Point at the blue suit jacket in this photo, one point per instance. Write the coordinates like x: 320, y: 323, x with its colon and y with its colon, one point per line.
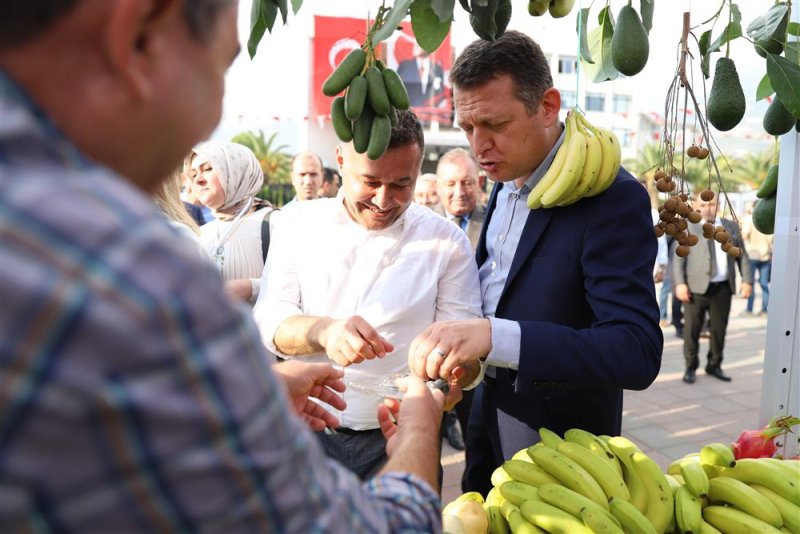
x: 581, y: 287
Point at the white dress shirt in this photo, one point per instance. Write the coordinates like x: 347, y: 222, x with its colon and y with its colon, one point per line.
x: 400, y: 280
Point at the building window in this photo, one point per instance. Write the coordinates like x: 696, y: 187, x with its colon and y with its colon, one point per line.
x: 622, y: 103
x: 568, y: 100
x: 595, y: 102
x: 625, y: 136
x: 567, y: 65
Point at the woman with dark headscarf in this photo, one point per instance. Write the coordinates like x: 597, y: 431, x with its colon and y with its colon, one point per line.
x: 226, y: 178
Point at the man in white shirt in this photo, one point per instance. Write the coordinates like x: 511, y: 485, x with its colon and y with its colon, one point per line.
x: 354, y: 279
x: 307, y: 172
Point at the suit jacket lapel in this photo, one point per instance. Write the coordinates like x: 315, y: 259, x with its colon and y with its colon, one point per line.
x: 535, y: 225
x: 480, y: 252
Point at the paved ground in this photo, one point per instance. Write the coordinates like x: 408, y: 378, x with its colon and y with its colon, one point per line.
x: 670, y: 418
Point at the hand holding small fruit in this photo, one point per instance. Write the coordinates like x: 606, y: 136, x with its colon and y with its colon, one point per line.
x: 353, y: 340
x: 447, y: 345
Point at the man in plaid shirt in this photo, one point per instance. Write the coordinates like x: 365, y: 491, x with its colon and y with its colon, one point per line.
x: 134, y: 397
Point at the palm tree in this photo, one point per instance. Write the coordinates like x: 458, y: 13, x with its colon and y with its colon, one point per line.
x: 275, y: 163
x: 751, y: 170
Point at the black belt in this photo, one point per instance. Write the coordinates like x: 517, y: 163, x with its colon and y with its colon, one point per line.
x: 351, y: 432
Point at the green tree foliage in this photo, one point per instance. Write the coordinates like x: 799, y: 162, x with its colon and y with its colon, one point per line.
x: 275, y: 162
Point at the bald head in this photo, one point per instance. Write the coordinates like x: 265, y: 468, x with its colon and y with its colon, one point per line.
x: 425, y: 191
x: 307, y: 175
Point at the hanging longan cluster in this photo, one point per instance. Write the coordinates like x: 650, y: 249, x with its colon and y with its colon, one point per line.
x: 674, y: 215
x: 697, y: 152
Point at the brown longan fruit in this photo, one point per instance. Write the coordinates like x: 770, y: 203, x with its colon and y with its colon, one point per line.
x: 707, y: 195
x: 692, y: 151
x: 671, y: 204
x: 721, y: 237
x: 664, y: 185
x: 670, y: 229
x: 659, y: 231
x: 681, y: 224
x: 693, y: 240
x: 726, y: 246
x: 660, y: 175
x: 682, y: 251
x: 694, y: 217
x: 708, y: 230
x: 702, y: 153
x: 666, y: 216
x: 683, y: 209
x: 735, y: 252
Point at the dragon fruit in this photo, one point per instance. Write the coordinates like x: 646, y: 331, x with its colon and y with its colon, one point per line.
x: 761, y: 443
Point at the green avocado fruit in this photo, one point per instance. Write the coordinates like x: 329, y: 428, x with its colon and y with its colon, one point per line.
x: 778, y: 120
x: 770, y: 183
x: 764, y: 215
x: 726, y: 104
x: 630, y: 47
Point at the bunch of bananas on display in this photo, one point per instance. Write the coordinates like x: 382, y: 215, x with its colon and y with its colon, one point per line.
x: 583, y: 483
x: 367, y: 111
x: 585, y: 165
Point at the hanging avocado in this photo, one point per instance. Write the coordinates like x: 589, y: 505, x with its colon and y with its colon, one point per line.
x: 764, y: 214
x: 629, y: 45
x: 778, y: 120
x: 726, y: 104
x: 490, y: 22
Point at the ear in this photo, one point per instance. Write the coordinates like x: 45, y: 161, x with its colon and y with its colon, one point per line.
x: 137, y: 31
x: 551, y: 105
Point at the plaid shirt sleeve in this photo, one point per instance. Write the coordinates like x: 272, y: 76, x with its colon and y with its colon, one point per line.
x: 135, y: 397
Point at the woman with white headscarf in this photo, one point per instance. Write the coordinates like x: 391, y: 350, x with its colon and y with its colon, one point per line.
x: 226, y: 178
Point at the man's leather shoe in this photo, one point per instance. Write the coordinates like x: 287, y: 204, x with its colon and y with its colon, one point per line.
x: 452, y: 431
x: 689, y: 376
x: 716, y: 372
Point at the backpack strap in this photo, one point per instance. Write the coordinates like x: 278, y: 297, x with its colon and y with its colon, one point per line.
x: 265, y: 234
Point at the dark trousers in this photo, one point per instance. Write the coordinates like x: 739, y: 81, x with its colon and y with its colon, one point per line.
x: 716, y: 301
x: 480, y: 459
x: 462, y: 411
x: 362, y: 451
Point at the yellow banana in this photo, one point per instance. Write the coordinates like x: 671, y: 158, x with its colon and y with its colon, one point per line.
x: 552, y: 519
x: 594, y: 444
x: 624, y: 448
x: 660, y: 504
x: 570, y: 474
x: 612, y: 158
x: 573, y: 167
x: 717, y: 454
x: 674, y: 484
x: 674, y: 467
x: 789, y: 512
x: 528, y: 472
x: 727, y: 519
x: 694, y: 476
x: 600, y: 523
x: 551, y: 175
x: 520, y: 525
x: 688, y: 511
x: 591, y: 169
x: 549, y: 438
x: 609, y: 480
x: 570, y: 501
x: 790, y: 467
x: 754, y: 471
x: 631, y: 519
x: 705, y: 528
x: 522, y: 456
x: 492, y: 505
x: 507, y: 507
x: 499, y: 477
x: 518, y: 492
x: 731, y: 491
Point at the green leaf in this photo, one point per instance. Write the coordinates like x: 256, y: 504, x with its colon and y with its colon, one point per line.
x: 481, y: 3
x: 736, y: 17
x: 646, y: 8
x: 764, y: 88
x: 296, y: 6
x: 396, y: 15
x: 731, y: 32
x: 705, y: 55
x: 600, y: 47
x: 284, y: 9
x: 442, y: 8
x: 257, y: 27
x: 794, y: 29
x: 581, y: 21
x: 785, y: 79
x: 428, y: 29
x: 765, y: 26
x: 792, y: 52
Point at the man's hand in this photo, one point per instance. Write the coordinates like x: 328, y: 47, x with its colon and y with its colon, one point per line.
x: 747, y: 290
x: 353, y: 341
x: 305, y: 381
x: 239, y: 289
x: 447, y: 345
x: 418, y: 414
x: 682, y: 293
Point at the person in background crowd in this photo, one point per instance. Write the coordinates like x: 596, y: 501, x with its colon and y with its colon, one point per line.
x: 226, y: 178
x: 759, y: 251
x: 568, y: 293
x: 136, y: 396
x: 705, y: 282
x: 167, y: 198
x: 306, y: 177
x: 374, y: 270
x: 425, y: 193
x: 331, y: 182
x: 457, y: 185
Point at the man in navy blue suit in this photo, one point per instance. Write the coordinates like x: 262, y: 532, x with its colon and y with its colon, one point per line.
x: 568, y: 293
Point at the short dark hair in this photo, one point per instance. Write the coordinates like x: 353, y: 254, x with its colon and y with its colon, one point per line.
x: 407, y: 131
x: 24, y: 20
x: 331, y: 175
x: 514, y: 54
